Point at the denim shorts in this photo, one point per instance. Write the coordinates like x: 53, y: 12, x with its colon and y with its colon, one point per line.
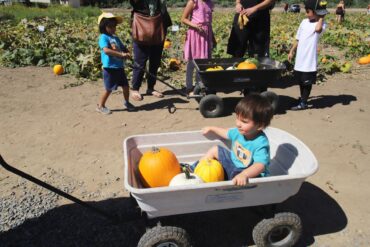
x: 113, y: 78
x: 224, y: 157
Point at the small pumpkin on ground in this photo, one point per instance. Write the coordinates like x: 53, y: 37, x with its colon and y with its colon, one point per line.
x: 58, y: 69
x: 157, y: 167
x: 364, y: 60
x: 185, y: 178
x: 210, y: 170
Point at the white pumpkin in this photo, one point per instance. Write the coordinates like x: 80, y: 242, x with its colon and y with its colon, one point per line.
x: 185, y: 178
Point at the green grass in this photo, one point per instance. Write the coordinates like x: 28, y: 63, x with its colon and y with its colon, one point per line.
x: 18, y: 12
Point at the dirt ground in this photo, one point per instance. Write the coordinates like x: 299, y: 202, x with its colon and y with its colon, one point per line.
x: 46, y: 126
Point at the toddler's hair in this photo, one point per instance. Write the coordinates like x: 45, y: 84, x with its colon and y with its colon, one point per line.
x: 104, y: 23
x: 256, y: 108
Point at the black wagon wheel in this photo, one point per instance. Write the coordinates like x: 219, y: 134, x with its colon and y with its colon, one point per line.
x: 165, y: 236
x: 211, y: 106
x: 273, y: 98
x: 283, y: 230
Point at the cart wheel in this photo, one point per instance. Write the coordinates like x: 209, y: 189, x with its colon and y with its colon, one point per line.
x: 211, y: 106
x: 197, y: 91
x: 273, y: 98
x: 165, y: 236
x: 283, y: 230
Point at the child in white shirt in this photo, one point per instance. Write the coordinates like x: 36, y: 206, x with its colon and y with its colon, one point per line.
x: 307, y: 38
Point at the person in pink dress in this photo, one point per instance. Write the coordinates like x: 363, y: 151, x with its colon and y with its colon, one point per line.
x: 200, y: 40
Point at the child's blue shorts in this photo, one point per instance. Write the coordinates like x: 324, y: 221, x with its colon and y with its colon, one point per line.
x: 113, y: 78
x: 224, y: 157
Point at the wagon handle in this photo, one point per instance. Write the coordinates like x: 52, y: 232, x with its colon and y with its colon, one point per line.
x: 136, y: 66
x: 55, y: 190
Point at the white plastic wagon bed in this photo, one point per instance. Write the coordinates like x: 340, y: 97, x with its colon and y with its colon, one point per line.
x: 291, y: 163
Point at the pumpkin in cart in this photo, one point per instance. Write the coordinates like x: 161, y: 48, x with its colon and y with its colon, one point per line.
x: 185, y: 178
x: 210, y: 170
x: 157, y: 167
x: 246, y: 65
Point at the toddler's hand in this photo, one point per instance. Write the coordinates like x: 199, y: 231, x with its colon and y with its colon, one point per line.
x: 240, y: 180
x: 126, y: 55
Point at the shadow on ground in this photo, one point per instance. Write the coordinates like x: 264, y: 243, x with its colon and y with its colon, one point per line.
x: 286, y: 102
x: 161, y: 103
x: 73, y: 225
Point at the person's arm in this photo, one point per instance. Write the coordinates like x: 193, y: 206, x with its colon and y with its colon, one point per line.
x: 319, y: 25
x: 292, y: 51
x: 263, y: 5
x: 222, y: 132
x: 185, y: 18
x: 251, y: 172
x: 120, y: 54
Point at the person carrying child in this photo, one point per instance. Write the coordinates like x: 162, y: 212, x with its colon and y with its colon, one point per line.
x: 199, y: 42
x: 249, y: 155
x: 112, y: 53
x: 307, y: 38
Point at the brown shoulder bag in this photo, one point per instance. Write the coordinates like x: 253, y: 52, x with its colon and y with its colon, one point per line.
x: 148, y: 30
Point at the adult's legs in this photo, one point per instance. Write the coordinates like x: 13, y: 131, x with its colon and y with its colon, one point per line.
x: 141, y: 55
x: 238, y: 40
x: 260, y: 37
x: 155, y: 55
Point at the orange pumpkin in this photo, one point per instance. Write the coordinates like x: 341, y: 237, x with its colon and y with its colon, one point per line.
x: 246, y: 65
x: 210, y: 170
x: 157, y: 167
x: 364, y: 60
x: 58, y: 69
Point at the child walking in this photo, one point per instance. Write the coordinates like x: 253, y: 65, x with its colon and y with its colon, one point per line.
x: 307, y: 38
x: 112, y: 54
x: 249, y: 156
x: 199, y: 42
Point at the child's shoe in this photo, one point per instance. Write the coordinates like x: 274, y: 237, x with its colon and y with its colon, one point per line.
x: 129, y: 106
x: 104, y: 110
x: 300, y: 106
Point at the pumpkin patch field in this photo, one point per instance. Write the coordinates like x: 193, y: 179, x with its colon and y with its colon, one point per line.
x: 73, y: 43
x: 50, y: 83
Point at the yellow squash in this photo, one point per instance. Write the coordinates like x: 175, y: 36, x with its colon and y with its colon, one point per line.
x: 210, y: 170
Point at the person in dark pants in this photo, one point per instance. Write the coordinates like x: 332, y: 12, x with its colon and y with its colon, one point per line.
x: 143, y: 52
x: 253, y: 34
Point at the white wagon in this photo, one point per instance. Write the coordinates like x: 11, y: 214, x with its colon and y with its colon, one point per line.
x: 291, y: 163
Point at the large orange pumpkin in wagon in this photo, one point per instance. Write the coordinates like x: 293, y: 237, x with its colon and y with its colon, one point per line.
x: 246, y: 65
x: 157, y: 167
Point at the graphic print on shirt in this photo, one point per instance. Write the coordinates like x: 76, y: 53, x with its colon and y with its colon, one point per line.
x: 114, y: 45
x: 244, y: 155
